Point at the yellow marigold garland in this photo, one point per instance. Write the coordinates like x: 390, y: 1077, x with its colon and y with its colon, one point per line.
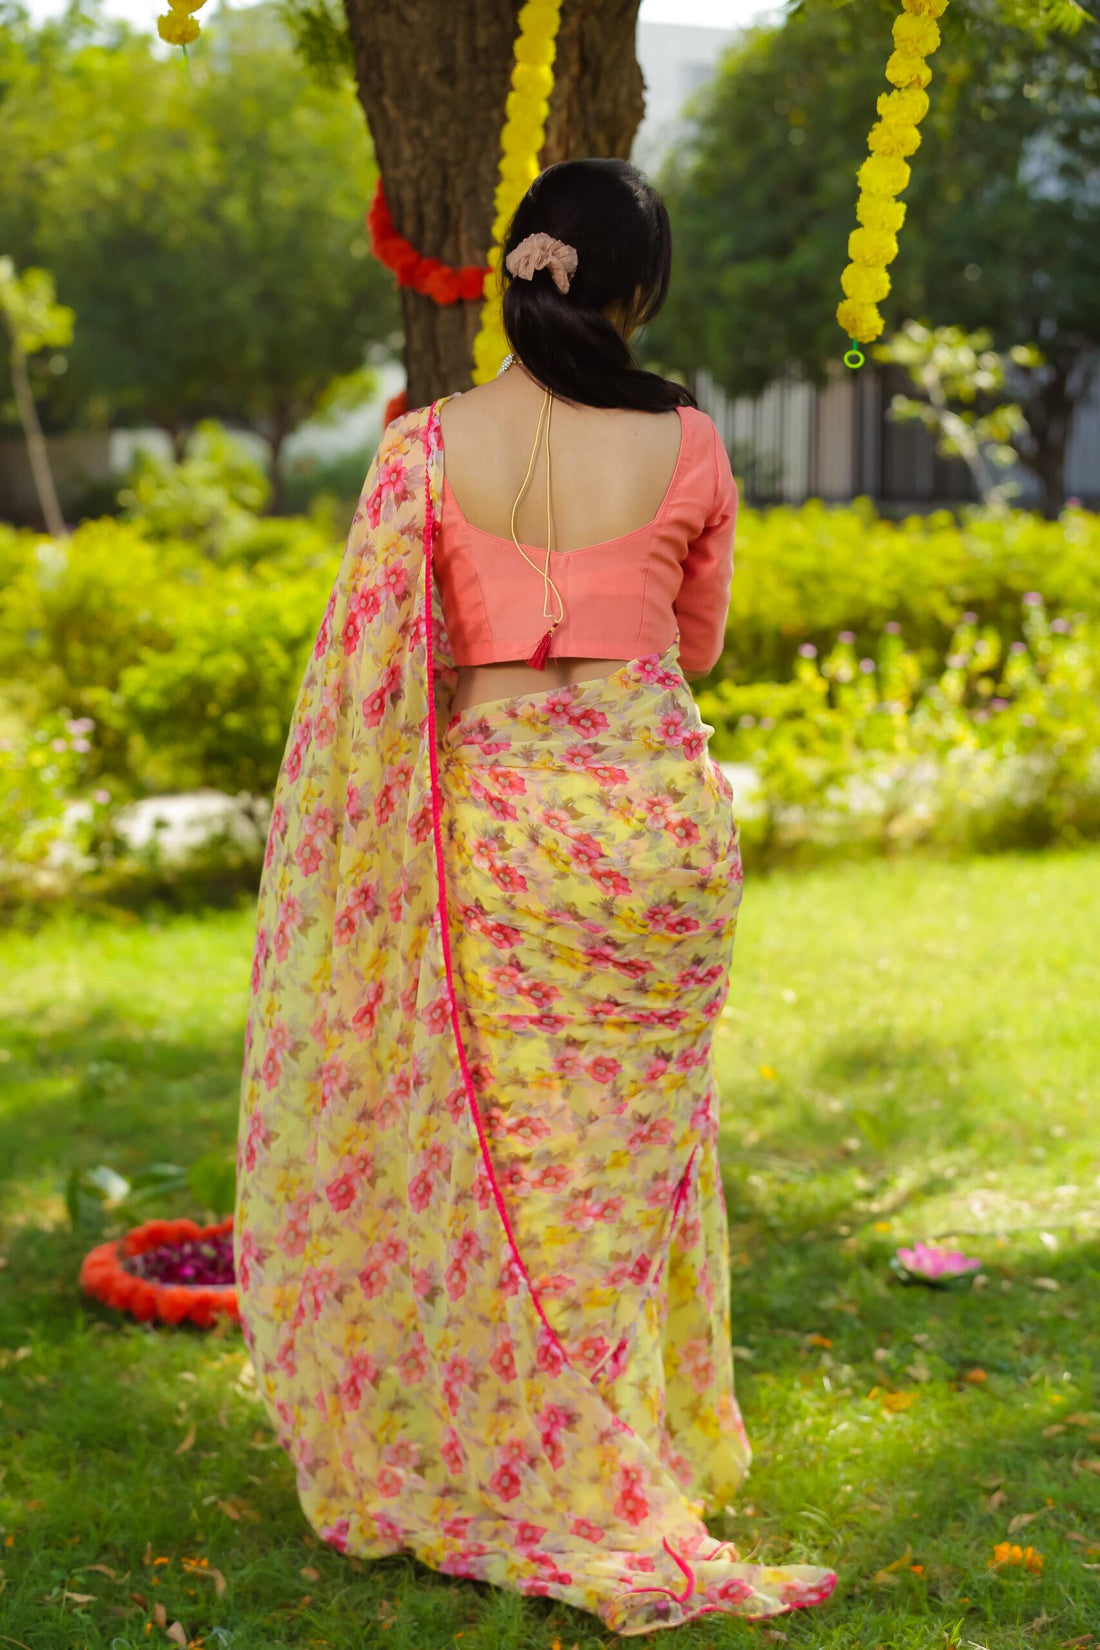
x: 177, y: 26
x: 520, y: 141
x: 885, y: 173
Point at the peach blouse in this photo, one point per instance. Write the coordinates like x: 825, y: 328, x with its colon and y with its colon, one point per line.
x: 622, y: 598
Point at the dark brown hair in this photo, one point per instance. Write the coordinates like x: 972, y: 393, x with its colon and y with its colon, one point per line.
x: 619, y: 225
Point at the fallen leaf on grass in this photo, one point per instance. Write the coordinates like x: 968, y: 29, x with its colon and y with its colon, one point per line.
x: 236, y: 1507
x: 997, y: 1499
x: 1050, y: 1284
x: 79, y: 1598
x: 140, y: 1598
x: 887, y: 1573
x: 1083, y: 1418
x: 310, y: 1573
x: 177, y: 1634
x: 918, y: 1370
x: 1021, y: 1519
x: 1039, y: 1623
x: 147, y: 1555
x: 1073, y: 1644
x: 160, y: 1614
x: 1089, y: 1466
x: 205, y: 1569
x: 185, y: 1443
x: 104, y: 1569
x: 1053, y: 1431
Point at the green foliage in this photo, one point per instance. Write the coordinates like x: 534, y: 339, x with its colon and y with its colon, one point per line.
x: 889, y: 682
x: 804, y: 573
x: 99, y: 1199
x: 1000, y: 748
x: 205, y: 225
x: 320, y: 33
x: 210, y: 498
x: 29, y: 307
x: 962, y: 381
x: 213, y: 707
x: 41, y: 769
x: 75, y: 613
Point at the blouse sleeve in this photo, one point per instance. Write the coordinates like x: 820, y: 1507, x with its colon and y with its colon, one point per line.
x: 702, y: 604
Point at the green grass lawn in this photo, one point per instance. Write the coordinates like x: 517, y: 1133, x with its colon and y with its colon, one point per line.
x: 910, y: 1049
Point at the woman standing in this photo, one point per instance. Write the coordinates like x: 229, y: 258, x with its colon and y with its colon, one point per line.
x: 480, y: 1234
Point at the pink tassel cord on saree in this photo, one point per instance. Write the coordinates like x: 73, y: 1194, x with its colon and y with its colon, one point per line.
x: 480, y: 1235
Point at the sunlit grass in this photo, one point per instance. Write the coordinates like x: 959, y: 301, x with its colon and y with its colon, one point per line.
x: 909, y: 1050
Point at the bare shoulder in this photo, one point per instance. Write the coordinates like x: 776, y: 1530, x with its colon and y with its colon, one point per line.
x: 474, y: 409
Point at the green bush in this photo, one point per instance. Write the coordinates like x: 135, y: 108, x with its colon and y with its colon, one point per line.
x: 213, y: 708
x: 804, y: 574
x: 999, y: 748
x: 42, y: 768
x: 187, y: 666
x: 890, y: 683
x: 211, y: 498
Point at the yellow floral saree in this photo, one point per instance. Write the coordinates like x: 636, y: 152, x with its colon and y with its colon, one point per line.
x: 480, y: 1235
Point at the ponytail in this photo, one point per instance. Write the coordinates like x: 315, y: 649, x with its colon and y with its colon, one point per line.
x: 618, y: 224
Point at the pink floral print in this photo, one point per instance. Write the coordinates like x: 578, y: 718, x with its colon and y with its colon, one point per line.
x: 480, y: 1236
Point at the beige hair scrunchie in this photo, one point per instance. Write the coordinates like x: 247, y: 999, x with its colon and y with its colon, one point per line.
x: 542, y: 251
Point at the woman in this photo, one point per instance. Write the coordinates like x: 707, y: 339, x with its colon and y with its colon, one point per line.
x: 480, y: 1235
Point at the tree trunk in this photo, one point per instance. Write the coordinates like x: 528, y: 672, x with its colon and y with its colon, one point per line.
x: 276, y: 438
x: 433, y: 77
x: 1049, y: 410
x: 37, y: 452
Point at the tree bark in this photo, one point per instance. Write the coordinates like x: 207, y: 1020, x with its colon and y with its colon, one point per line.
x: 433, y: 77
x: 37, y: 451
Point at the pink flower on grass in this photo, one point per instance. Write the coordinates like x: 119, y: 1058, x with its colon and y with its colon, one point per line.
x: 931, y: 1265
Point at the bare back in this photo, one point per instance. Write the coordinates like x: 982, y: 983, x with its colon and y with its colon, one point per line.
x: 610, y: 470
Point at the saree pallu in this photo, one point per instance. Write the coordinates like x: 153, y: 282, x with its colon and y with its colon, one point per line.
x: 480, y: 1235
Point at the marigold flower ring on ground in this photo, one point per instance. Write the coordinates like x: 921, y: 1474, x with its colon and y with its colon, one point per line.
x: 171, y: 1270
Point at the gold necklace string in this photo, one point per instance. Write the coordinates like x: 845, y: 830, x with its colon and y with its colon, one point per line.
x: 547, y: 408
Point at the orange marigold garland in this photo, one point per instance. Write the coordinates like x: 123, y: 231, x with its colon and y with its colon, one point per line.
x: 104, y: 1276
x: 428, y: 276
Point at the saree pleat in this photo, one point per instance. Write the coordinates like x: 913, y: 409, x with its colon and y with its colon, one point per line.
x: 481, y: 1242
